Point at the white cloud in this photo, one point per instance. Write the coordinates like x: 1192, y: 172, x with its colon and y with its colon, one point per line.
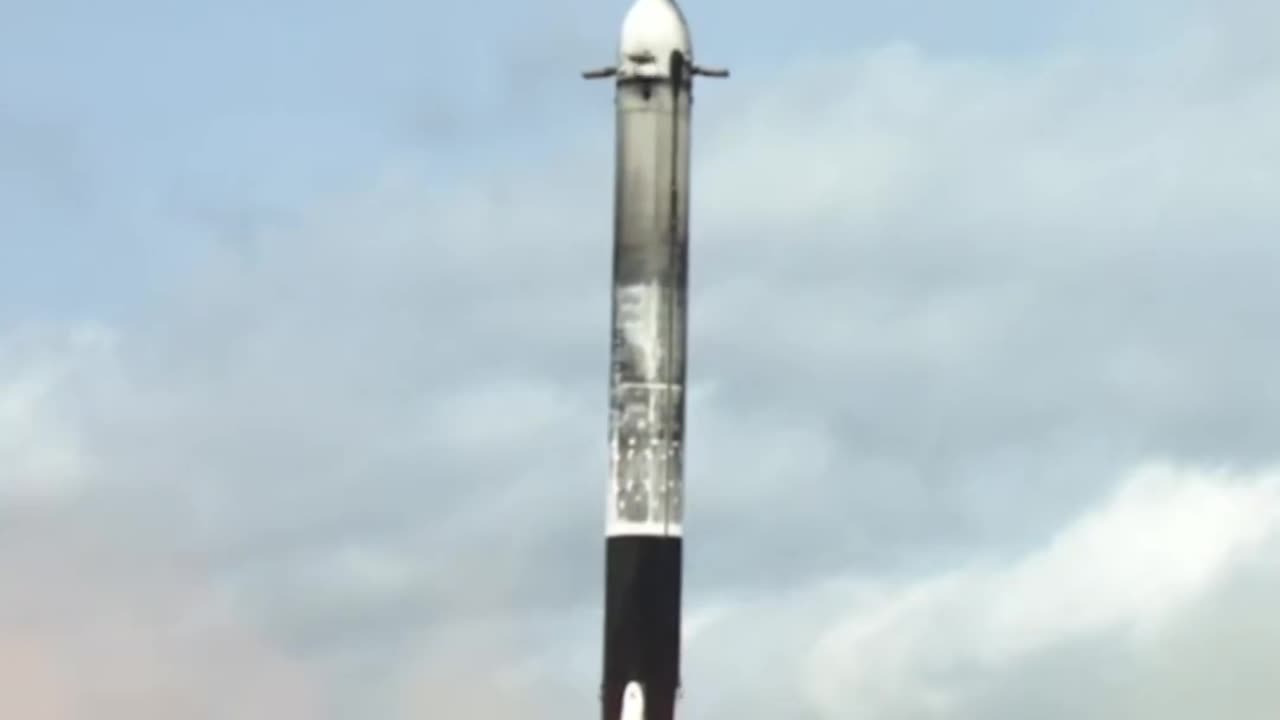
x: 1132, y: 573
x: 1165, y: 538
x: 44, y: 379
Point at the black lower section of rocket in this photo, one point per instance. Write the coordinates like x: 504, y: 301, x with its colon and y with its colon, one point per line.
x: 642, y: 623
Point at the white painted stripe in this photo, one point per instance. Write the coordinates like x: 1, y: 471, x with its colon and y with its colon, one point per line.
x: 620, y: 528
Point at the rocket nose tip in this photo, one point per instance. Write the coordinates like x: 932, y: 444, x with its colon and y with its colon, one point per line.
x: 651, y: 31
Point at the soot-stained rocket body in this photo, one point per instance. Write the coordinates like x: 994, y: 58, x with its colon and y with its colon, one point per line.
x: 645, y: 500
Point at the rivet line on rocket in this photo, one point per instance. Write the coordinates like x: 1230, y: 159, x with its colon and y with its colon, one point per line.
x: 673, y: 231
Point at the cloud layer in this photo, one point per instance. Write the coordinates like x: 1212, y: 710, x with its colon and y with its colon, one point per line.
x: 981, y: 422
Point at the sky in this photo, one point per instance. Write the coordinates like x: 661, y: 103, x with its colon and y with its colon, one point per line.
x: 303, y: 349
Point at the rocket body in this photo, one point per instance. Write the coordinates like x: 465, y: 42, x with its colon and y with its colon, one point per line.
x: 645, y: 512
x: 645, y: 499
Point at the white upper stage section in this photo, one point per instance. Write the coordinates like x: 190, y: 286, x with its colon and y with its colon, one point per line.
x: 651, y: 30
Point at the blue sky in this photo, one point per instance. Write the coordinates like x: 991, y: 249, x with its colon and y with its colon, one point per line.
x: 125, y: 120
x: 151, y: 112
x: 302, y: 313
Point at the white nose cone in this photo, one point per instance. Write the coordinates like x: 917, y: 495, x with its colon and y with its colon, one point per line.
x: 651, y: 30
x: 633, y: 698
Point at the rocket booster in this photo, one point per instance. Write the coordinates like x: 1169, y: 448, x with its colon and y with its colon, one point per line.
x: 645, y: 501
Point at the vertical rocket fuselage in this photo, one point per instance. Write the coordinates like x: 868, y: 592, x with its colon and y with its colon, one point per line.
x: 645, y: 511
x: 645, y: 514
